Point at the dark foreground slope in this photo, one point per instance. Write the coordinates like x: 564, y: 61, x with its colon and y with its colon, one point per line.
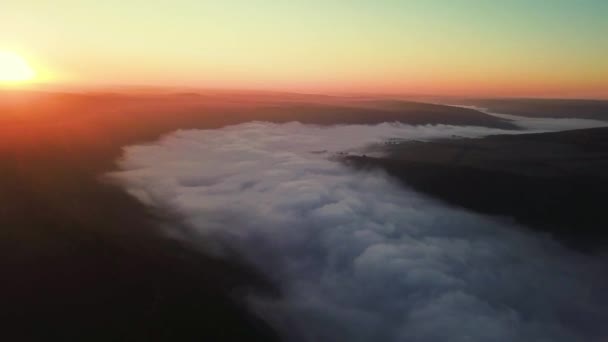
x: 553, y: 182
x: 82, y: 261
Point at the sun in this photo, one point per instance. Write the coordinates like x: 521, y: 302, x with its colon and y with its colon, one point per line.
x: 14, y: 69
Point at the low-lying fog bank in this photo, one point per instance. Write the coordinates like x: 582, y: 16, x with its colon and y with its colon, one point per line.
x: 357, y: 256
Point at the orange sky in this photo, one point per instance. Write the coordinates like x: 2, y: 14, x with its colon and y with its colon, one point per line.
x: 456, y: 47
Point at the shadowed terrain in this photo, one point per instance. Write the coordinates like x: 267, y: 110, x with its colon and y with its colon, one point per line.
x: 553, y: 182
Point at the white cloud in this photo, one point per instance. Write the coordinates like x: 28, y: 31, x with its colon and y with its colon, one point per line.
x: 358, y: 257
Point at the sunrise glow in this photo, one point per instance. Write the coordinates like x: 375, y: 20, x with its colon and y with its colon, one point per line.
x: 14, y: 69
x: 459, y: 47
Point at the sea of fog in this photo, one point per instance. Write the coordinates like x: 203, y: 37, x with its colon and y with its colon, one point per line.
x: 358, y: 257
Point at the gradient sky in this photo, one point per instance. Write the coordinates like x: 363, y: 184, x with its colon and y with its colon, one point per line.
x: 470, y: 47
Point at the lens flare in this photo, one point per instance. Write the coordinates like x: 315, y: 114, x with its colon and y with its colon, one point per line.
x: 13, y: 68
